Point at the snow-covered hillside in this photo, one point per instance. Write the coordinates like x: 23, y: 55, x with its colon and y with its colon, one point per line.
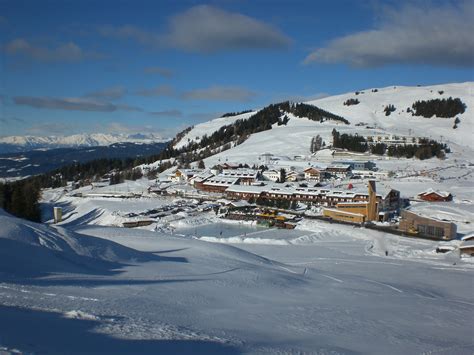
x: 207, y: 128
x: 366, y: 118
x: 13, y: 143
x: 370, y: 110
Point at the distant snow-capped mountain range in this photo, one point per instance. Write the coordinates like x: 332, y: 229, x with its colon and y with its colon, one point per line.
x: 18, y: 143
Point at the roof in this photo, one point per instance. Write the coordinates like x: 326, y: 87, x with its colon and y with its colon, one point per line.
x: 343, y: 212
x: 189, y: 172
x: 339, y: 166
x: 312, y: 168
x: 467, y: 244
x: 238, y: 204
x: 221, y: 181
x: 437, y: 192
x: 203, y: 176
x: 247, y: 189
x: 244, y: 173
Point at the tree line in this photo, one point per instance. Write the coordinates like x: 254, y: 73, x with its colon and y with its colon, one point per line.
x: 425, y: 149
x: 445, y: 108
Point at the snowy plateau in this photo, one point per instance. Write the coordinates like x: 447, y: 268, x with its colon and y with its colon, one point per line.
x: 191, y: 282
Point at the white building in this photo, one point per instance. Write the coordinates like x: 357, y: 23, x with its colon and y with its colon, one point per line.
x: 272, y: 175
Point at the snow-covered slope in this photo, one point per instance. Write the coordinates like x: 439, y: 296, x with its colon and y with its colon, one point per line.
x: 32, y: 249
x: 210, y: 127
x: 372, y: 103
x: 295, y: 138
x: 77, y: 140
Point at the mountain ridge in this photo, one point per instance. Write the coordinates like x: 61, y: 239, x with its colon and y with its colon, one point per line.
x: 30, y: 142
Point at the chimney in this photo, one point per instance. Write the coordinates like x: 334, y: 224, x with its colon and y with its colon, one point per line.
x: 58, y: 214
x: 372, y: 205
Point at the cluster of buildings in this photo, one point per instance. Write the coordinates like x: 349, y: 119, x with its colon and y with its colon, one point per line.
x: 393, y: 140
x: 222, y: 176
x: 342, y: 205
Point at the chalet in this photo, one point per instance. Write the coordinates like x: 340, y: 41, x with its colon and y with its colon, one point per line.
x: 272, y: 175
x: 314, y: 174
x: 226, y: 166
x: 294, y: 175
x: 467, y: 248
x: 339, y: 170
x: 183, y: 175
x: 435, y: 196
x: 415, y: 224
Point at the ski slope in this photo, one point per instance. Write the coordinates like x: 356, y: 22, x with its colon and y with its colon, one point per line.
x: 334, y: 291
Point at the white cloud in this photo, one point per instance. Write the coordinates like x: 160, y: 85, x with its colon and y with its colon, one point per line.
x: 205, y: 28
x: 71, y: 104
x: 67, y: 52
x: 441, y: 36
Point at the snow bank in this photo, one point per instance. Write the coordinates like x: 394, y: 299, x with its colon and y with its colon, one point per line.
x: 28, y: 248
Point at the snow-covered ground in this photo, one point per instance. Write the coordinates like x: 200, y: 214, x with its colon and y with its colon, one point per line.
x: 324, y: 289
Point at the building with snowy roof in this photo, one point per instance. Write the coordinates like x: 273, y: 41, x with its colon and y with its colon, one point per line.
x: 435, y: 196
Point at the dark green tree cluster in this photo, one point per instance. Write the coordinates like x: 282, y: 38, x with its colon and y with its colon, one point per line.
x: 276, y: 203
x: 230, y: 114
x: 129, y: 174
x: 445, y: 108
x: 20, y: 198
x: 283, y: 121
x: 350, y: 102
x: 425, y: 150
x: 354, y: 143
x: 378, y: 149
x: 389, y: 109
x: 456, y: 122
x: 311, y: 112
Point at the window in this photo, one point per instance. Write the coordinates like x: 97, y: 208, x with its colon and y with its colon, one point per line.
x: 439, y: 232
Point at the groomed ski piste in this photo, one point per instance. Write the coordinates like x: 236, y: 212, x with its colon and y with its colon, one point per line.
x: 193, y: 283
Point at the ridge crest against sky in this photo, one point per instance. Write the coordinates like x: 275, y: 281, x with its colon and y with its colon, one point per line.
x: 165, y: 65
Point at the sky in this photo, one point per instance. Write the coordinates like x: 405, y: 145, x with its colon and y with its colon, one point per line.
x: 69, y: 67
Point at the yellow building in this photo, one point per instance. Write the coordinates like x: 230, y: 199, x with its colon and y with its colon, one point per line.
x: 355, y: 212
x: 343, y: 216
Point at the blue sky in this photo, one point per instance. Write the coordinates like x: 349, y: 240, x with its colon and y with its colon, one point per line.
x: 70, y: 67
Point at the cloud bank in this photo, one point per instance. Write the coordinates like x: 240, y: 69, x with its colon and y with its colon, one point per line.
x: 66, y: 52
x: 205, y: 29
x: 439, y: 36
x: 71, y: 104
